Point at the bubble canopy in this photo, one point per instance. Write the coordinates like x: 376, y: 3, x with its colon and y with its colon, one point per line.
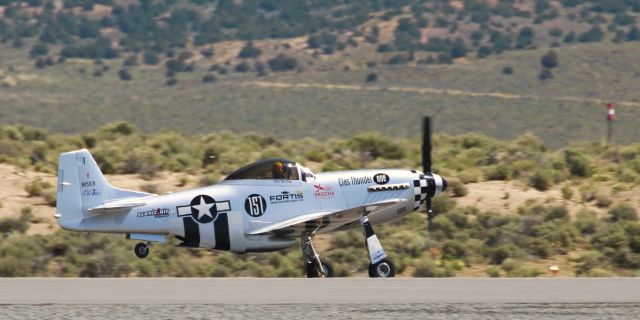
x: 273, y: 169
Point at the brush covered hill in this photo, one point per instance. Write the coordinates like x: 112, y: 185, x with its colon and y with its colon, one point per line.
x: 323, y: 68
x: 514, y: 208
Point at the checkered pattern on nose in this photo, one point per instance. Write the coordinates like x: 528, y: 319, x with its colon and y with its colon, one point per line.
x: 420, y: 190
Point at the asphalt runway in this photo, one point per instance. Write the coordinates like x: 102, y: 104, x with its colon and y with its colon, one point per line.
x: 343, y: 298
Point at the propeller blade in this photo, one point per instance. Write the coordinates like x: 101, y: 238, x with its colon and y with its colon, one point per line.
x: 426, y: 166
x: 429, y: 218
x: 426, y: 145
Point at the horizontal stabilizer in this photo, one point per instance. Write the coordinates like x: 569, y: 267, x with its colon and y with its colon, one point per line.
x: 117, y: 206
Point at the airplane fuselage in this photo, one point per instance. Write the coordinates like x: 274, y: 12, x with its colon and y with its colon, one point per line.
x: 200, y: 216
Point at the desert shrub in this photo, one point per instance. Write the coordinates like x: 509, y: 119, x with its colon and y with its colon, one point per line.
x: 545, y: 74
x: 442, y: 204
x: 150, y: 58
x: 588, y: 261
x: 579, y: 164
x: 567, y: 192
x: 209, y: 179
x: 149, y: 188
x: 144, y: 161
x: 468, y: 176
x: 8, y: 225
x: 549, y: 60
x: 372, y: 77
x: 282, y: 63
x: 426, y: 268
x: 588, y: 193
x: 498, y: 255
x: 557, y: 213
x: 539, y: 247
x: 498, y: 172
x: 542, y: 179
x: 514, y: 269
x: 623, y: 212
x: 453, y: 250
x: 209, y: 78
x: 125, y: 75
x: 493, y: 272
x: 586, y: 221
x: 603, y: 201
x: 399, y: 58
x: 50, y: 196
x: 458, y: 189
x: 376, y: 146
x: 242, y: 67
x: 20, y: 225
x: 458, y: 218
x: 36, y: 187
x: 249, y: 51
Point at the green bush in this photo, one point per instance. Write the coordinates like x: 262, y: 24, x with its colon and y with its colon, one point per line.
x: 567, y: 192
x: 586, y: 221
x: 8, y: 225
x: 589, y: 261
x: 442, y: 204
x: 499, y: 172
x: 458, y: 189
x: 542, y: 179
x: 453, y: 250
x: 376, y: 146
x: 579, y: 164
x: 499, y: 254
x: 623, y: 212
x: 36, y: 187
x: 603, y: 201
x: 549, y: 60
x: 493, y: 272
x: 144, y: 161
x: 426, y: 268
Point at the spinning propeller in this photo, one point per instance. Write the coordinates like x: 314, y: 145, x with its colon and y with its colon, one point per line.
x: 436, y: 183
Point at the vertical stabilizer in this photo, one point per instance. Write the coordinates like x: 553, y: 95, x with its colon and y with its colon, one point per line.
x: 82, y: 186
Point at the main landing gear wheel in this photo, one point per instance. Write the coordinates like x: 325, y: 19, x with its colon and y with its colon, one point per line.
x: 314, y: 272
x: 382, y: 269
x: 141, y: 250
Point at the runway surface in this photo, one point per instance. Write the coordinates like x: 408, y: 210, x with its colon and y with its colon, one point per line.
x: 351, y: 298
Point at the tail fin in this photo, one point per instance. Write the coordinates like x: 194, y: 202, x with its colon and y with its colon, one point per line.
x: 81, y: 186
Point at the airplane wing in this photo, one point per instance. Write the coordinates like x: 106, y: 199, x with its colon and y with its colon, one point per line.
x: 326, y: 221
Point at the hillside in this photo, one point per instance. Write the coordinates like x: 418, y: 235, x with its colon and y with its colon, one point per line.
x: 322, y: 69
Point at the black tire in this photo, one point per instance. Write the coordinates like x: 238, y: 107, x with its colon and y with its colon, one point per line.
x: 382, y: 269
x: 313, y: 272
x: 141, y: 250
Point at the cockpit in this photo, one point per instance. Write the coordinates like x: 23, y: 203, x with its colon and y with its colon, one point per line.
x: 273, y: 169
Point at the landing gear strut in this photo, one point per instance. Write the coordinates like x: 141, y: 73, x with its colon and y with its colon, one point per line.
x: 380, y: 266
x: 141, y: 250
x: 314, y: 266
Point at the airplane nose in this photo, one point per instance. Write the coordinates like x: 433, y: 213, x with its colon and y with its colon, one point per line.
x: 440, y: 184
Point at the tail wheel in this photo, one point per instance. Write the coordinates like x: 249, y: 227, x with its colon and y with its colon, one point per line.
x: 141, y: 250
x: 382, y: 269
x: 314, y: 272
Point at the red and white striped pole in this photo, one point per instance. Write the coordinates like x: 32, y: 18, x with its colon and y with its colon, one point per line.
x: 611, y: 117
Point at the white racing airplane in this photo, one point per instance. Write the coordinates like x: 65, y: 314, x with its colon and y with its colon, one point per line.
x: 264, y: 206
